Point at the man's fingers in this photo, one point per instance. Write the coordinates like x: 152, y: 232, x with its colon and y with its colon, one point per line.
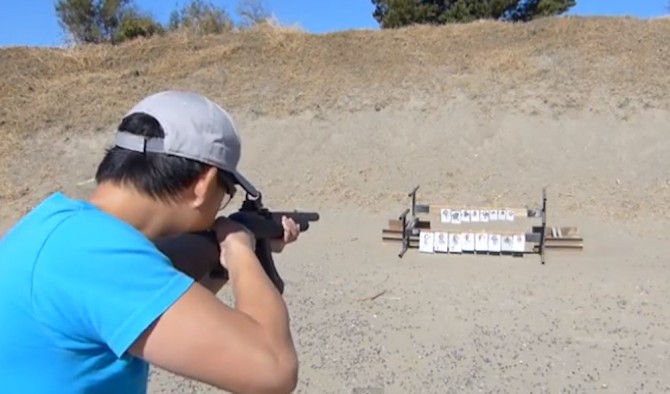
x: 291, y: 229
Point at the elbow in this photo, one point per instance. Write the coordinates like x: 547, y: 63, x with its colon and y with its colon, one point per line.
x: 291, y: 376
x: 283, y: 377
x: 271, y: 378
x: 268, y: 373
x: 274, y: 375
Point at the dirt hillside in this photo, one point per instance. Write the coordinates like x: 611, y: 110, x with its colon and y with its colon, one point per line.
x: 347, y: 123
x: 571, y: 76
x: 558, y: 64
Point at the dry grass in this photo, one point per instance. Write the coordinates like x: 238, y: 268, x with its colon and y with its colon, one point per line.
x: 279, y: 71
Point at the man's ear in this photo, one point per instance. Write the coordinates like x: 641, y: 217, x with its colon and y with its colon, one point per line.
x: 204, y: 187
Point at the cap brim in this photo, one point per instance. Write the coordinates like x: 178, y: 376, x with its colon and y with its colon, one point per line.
x: 246, y: 185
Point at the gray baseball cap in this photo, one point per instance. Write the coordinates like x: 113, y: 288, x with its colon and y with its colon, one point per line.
x: 195, y: 128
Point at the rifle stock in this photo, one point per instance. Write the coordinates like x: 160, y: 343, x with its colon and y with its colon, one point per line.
x: 198, y: 254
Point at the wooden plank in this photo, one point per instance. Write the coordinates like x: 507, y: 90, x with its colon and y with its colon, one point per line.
x: 576, y: 239
x: 461, y: 229
x: 414, y: 240
x: 549, y: 245
x: 567, y: 232
x: 563, y: 232
x: 415, y: 245
x: 531, y: 246
x: 412, y: 243
x: 529, y: 249
x: 396, y: 224
x: 550, y: 240
x: 386, y: 234
x: 435, y: 209
x: 563, y: 242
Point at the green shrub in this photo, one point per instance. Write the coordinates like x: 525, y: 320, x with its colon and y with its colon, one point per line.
x: 134, y: 26
x: 202, y: 17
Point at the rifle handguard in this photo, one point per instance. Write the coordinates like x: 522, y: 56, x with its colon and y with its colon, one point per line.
x: 198, y: 254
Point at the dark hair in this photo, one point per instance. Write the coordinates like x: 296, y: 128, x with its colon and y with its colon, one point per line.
x: 157, y: 175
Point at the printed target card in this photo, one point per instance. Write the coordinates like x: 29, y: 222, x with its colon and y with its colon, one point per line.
x: 441, y: 242
x: 465, y: 215
x: 474, y: 215
x: 493, y: 215
x: 482, y: 242
x: 455, y: 216
x: 445, y: 215
x: 426, y: 241
x: 507, y: 243
x: 467, y: 242
x: 454, y: 243
x: 520, y: 243
x: 494, y: 243
x: 484, y: 215
x: 509, y: 215
x: 502, y: 215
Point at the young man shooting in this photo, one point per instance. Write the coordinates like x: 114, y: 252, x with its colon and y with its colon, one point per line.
x: 88, y: 302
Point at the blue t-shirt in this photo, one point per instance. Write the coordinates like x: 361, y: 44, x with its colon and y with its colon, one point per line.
x: 77, y: 288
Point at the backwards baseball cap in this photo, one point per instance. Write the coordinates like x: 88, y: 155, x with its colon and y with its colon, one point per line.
x: 195, y: 128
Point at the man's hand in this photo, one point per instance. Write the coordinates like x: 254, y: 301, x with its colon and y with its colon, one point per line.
x: 231, y: 235
x: 291, y: 233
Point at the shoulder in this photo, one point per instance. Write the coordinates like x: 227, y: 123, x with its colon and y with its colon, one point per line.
x: 91, y: 233
x: 92, y: 245
x: 101, y: 278
x: 64, y: 227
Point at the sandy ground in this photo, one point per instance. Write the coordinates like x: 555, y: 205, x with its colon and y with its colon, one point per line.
x: 586, y: 323
x: 347, y: 124
x: 590, y: 321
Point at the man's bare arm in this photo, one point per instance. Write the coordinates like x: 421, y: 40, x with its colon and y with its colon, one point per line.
x: 248, y: 349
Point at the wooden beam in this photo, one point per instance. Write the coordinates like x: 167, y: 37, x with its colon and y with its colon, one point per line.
x: 551, y: 243
x: 413, y: 243
x: 396, y: 225
x: 460, y: 230
x: 435, y: 209
x: 563, y: 239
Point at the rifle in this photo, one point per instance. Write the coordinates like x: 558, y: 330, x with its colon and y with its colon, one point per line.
x: 198, y: 254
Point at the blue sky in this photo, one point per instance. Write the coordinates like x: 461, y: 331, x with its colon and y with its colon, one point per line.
x: 33, y: 22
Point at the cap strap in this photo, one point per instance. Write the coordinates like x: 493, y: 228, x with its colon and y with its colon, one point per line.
x: 138, y: 143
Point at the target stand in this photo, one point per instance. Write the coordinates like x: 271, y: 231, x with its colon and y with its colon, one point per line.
x: 478, y: 230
